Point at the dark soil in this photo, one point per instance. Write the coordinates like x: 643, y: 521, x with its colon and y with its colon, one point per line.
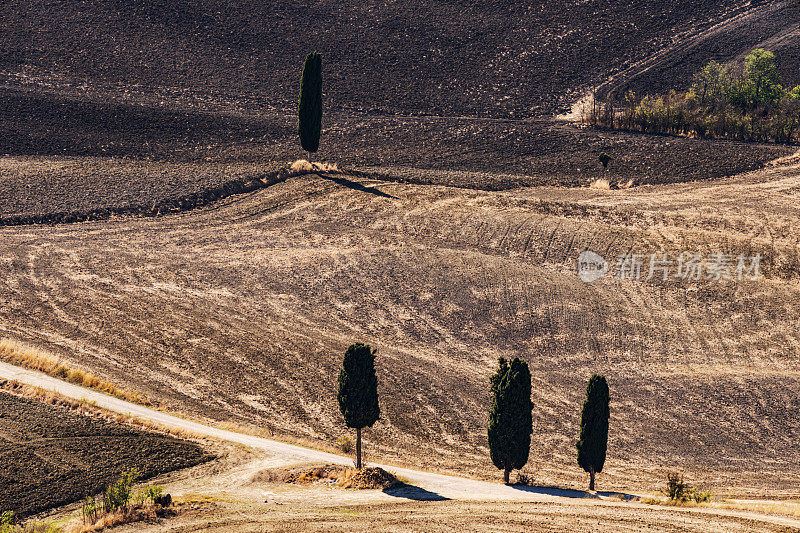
x: 80, y: 189
x: 730, y: 42
x: 104, y: 158
x: 52, y: 455
x: 492, y: 58
x: 536, y: 153
x: 453, y: 93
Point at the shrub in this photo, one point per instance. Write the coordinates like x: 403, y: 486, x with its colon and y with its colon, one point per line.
x: 7, y: 520
x: 154, y: 493
x: 761, y: 78
x: 345, y: 444
x: 605, y: 159
x: 676, y: 488
x: 679, y: 492
x: 148, y: 494
x: 699, y: 496
x: 524, y: 479
x: 89, y: 510
x: 712, y: 84
x: 745, y: 103
x: 164, y: 500
x: 118, y: 494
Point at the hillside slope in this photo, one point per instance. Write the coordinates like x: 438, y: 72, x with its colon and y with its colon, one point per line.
x: 774, y: 26
x: 243, y: 309
x: 451, y: 57
x: 445, y: 86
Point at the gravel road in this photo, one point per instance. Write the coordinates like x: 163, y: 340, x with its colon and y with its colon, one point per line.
x: 437, y: 485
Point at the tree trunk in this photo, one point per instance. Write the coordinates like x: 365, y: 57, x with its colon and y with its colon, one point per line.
x: 358, y: 448
x: 591, y: 478
x: 506, y: 473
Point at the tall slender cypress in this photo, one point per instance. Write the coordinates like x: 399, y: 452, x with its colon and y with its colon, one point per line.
x: 510, y: 419
x: 593, y: 439
x: 309, y: 112
x: 358, y: 391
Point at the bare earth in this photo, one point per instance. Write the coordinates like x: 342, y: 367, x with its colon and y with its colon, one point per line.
x: 239, y: 493
x: 451, y: 242
x: 53, y: 456
x: 240, y: 312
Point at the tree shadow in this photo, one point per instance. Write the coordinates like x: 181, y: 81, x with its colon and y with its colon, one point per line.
x: 553, y: 491
x: 355, y: 185
x: 621, y: 495
x: 411, y: 492
x: 50, y: 124
x: 571, y: 493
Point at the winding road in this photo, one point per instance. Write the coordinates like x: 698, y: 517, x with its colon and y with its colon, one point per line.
x: 423, y: 485
x: 440, y: 486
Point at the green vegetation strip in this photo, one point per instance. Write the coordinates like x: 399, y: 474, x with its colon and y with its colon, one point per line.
x: 742, y: 102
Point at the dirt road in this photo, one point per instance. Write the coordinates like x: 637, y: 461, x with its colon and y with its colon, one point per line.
x: 240, y: 311
x: 422, y: 485
x: 445, y: 486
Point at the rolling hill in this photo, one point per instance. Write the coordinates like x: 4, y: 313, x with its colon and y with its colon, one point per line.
x: 444, y: 86
x: 450, y: 240
x: 242, y: 310
x: 447, y: 57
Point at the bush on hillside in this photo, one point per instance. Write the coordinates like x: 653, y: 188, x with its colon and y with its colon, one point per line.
x: 746, y: 103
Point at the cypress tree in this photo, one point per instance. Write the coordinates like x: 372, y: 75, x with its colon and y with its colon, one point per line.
x: 510, y: 419
x: 594, y: 428
x: 358, y: 391
x: 309, y: 112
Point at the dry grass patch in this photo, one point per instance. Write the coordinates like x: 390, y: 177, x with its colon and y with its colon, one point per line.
x: 788, y: 507
x: 32, y: 358
x: 768, y: 507
x: 303, y: 165
x: 601, y: 183
x: 344, y: 477
x: 133, y: 514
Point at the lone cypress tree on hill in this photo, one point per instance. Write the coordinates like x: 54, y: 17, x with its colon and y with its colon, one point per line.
x: 358, y: 391
x: 510, y: 419
x: 309, y: 112
x: 594, y: 428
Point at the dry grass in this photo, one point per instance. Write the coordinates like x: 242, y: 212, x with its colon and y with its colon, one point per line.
x: 771, y: 507
x: 31, y: 526
x: 344, y: 477
x: 787, y: 507
x: 792, y: 159
x: 133, y: 514
x: 32, y: 358
x: 303, y: 165
x: 602, y: 184
x: 27, y: 391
